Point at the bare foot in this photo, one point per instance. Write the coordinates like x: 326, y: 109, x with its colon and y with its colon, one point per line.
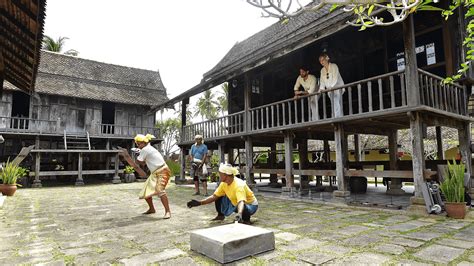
x: 149, y: 212
x: 167, y: 215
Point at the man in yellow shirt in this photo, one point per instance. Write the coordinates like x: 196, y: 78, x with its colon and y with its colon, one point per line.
x: 232, y: 195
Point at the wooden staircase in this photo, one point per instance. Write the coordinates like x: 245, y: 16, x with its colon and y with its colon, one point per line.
x: 76, y: 141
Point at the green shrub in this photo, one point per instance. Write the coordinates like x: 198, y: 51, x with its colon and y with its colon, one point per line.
x: 174, y: 167
x: 129, y: 169
x: 453, y: 185
x: 11, y: 173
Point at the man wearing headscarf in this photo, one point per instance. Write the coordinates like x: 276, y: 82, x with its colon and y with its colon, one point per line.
x: 159, y: 174
x: 232, y: 195
x: 198, y: 156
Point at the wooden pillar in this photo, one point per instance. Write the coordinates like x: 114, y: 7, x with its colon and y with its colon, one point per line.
x: 230, y: 155
x: 290, y: 183
x: 303, y: 164
x: 247, y: 104
x: 439, y: 143
x: 418, y: 154
x: 272, y: 157
x: 356, y: 148
x: 79, y: 180
x: 182, y: 170
x: 395, y: 183
x: 184, y: 104
x: 2, y: 71
x: 37, y: 181
x: 249, y: 162
x: 221, y: 150
x: 340, y: 139
x: 411, y: 67
x: 116, y: 179
x: 327, y: 151
x: 464, y: 135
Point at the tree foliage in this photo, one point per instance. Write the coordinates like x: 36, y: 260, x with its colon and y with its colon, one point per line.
x: 206, y: 106
x: 222, y: 102
x: 57, y: 46
x: 169, y: 130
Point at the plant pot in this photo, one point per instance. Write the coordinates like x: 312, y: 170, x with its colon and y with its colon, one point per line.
x: 456, y: 210
x: 7, y: 190
x: 129, y: 178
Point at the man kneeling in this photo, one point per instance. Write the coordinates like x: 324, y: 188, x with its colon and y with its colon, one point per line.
x: 232, y: 195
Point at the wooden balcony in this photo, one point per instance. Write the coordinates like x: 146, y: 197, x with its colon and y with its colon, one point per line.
x: 53, y: 127
x: 378, y: 96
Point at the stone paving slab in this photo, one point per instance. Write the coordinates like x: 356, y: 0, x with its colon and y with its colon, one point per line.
x: 103, y: 225
x: 438, y: 253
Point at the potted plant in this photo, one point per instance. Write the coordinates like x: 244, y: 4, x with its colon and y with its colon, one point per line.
x: 453, y: 190
x: 9, y: 176
x: 129, y: 175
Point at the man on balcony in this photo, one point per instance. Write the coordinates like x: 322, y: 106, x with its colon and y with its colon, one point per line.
x: 308, y: 82
x: 198, y: 156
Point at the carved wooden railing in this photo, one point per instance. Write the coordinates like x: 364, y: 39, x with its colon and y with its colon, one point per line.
x: 22, y: 124
x: 379, y: 93
x: 451, y: 98
x: 124, y: 130
x: 222, y: 126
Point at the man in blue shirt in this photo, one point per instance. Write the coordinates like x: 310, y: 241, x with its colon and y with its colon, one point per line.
x: 198, y: 156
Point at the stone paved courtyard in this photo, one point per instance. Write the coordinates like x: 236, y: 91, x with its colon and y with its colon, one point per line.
x: 103, y: 224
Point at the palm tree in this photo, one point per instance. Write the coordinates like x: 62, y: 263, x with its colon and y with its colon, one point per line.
x: 223, y: 99
x: 49, y: 44
x: 189, y: 114
x: 207, y: 106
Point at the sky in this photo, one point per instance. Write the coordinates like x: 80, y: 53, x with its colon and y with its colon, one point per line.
x: 182, y: 39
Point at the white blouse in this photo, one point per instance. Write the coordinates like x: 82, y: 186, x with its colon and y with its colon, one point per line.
x: 331, y: 80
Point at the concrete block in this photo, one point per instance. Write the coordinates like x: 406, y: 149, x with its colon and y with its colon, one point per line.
x: 2, y: 199
x: 231, y: 242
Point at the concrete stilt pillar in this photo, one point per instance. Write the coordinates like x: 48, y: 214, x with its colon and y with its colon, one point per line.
x: 340, y: 139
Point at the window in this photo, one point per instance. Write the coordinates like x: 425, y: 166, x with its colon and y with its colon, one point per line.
x: 132, y: 120
x: 256, y: 86
x: 81, y: 118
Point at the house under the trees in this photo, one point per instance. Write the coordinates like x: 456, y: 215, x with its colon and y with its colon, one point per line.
x: 79, y: 112
x: 393, y: 79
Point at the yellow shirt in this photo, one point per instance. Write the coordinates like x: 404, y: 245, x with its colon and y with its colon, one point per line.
x: 236, y: 192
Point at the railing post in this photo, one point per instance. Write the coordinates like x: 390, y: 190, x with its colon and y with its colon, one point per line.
x: 58, y: 125
x: 247, y: 104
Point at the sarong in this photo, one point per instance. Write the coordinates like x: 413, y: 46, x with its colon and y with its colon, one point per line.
x: 156, y: 183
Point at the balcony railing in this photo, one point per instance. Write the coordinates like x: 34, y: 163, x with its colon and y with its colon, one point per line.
x: 222, y: 126
x: 451, y: 98
x: 124, y: 130
x: 23, y: 125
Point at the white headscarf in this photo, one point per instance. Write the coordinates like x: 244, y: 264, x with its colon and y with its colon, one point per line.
x: 199, y: 137
x: 228, y: 169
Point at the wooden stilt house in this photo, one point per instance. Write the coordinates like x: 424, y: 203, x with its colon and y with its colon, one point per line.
x: 79, y: 111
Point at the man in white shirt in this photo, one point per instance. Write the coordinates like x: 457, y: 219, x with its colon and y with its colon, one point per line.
x: 308, y: 82
x: 159, y: 174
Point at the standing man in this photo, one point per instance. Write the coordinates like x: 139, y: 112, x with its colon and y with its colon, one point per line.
x: 198, y: 156
x: 308, y: 82
x: 232, y: 195
x: 159, y: 174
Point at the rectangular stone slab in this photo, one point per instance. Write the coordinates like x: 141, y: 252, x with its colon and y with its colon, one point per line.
x: 231, y: 242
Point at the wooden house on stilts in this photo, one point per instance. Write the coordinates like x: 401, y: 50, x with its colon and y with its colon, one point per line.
x: 393, y: 79
x: 79, y: 111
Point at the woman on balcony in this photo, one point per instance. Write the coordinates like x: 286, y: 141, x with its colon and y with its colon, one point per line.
x: 330, y: 78
x: 159, y: 174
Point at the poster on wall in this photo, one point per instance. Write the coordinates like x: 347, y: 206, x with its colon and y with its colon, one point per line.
x: 430, y: 54
x: 400, y: 61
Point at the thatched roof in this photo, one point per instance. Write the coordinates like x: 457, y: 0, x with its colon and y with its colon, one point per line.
x: 70, y: 76
x: 21, y: 34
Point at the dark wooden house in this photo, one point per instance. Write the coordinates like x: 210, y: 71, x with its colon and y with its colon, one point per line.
x: 393, y: 79
x: 78, y: 105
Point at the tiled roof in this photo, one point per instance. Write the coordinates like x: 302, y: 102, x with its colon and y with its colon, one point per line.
x: 70, y: 76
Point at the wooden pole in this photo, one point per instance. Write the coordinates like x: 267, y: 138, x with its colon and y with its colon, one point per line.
x: 79, y: 180
x: 182, y: 170
x: 37, y: 181
x: 290, y: 183
x: 356, y: 148
x: 411, y: 67
x: 439, y: 143
x: 303, y: 164
x: 340, y: 139
x: 418, y: 155
x: 247, y: 104
x: 272, y: 163
x: 249, y: 162
x: 395, y: 183
x: 464, y: 135
x: 221, y: 150
x: 116, y: 179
